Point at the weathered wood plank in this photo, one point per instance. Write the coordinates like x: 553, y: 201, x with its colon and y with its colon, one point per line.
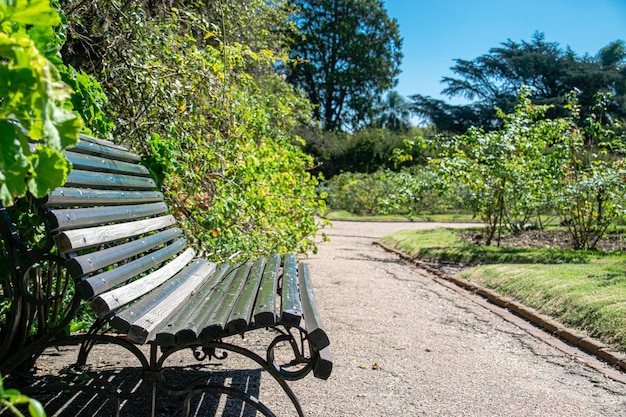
x: 216, y: 323
x: 99, y: 164
x: 65, y: 219
x: 103, y: 142
x: 212, y: 300
x: 184, y: 327
x: 97, y: 284
x: 73, y: 240
x: 86, y: 197
x: 265, y: 306
x: 93, y: 261
x: 148, y: 324
x: 240, y: 316
x: 101, y: 148
x: 312, y: 320
x: 124, y: 317
x: 291, y: 309
x: 119, y: 297
x: 105, y: 180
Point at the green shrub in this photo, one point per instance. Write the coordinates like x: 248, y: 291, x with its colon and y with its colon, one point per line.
x: 211, y: 116
x: 364, y: 151
x: 411, y: 191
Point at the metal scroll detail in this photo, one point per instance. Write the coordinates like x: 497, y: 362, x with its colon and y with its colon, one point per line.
x: 154, y: 368
x: 202, y: 384
x: 39, y: 291
x: 293, y: 363
x: 207, y: 350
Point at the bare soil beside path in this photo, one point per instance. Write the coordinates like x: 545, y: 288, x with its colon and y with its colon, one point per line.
x: 406, y: 346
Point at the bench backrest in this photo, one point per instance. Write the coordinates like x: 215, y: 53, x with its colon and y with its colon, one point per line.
x: 113, y: 226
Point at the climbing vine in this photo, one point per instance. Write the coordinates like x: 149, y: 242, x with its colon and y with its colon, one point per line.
x: 32, y: 96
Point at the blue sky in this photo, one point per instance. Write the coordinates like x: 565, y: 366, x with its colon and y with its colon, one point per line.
x: 435, y: 32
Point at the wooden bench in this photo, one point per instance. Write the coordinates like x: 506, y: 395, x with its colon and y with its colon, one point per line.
x: 114, y: 238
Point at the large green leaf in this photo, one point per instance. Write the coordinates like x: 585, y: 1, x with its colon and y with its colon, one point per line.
x: 33, y: 12
x: 9, y: 145
x: 50, y: 170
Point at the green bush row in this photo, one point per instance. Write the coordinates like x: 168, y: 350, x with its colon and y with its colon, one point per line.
x: 410, y: 191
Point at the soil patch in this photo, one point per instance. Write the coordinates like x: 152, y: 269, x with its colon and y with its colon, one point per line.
x: 540, y: 239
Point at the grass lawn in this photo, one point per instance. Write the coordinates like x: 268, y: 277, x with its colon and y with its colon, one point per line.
x: 585, y: 290
x: 448, y: 218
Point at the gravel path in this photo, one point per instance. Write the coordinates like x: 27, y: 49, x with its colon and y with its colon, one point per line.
x: 404, y: 345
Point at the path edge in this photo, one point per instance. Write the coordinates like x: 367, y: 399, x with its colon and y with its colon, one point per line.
x: 587, y: 344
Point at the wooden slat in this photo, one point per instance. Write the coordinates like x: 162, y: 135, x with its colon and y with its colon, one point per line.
x: 323, y: 364
x: 66, y: 219
x: 240, y: 317
x: 146, y: 326
x: 101, y: 148
x: 312, y: 320
x: 184, y: 327
x: 97, y: 284
x: 119, y: 297
x: 127, y: 315
x: 73, y: 240
x: 103, y: 142
x: 216, y: 323
x: 291, y: 310
x: 105, y: 180
x: 99, y: 164
x: 86, y: 197
x: 214, y: 298
x: 265, y: 308
x: 93, y: 261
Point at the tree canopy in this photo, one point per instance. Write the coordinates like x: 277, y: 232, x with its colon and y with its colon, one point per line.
x: 346, y: 54
x: 492, y: 81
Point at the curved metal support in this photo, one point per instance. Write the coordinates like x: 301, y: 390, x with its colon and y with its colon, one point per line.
x: 90, y: 342
x: 105, y: 339
x: 32, y: 350
x: 299, y: 358
x: 101, y: 384
x: 270, y: 368
x: 37, y: 313
x: 23, y: 282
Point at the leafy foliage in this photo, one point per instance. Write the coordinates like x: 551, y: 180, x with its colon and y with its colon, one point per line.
x: 393, y: 113
x: 37, y: 121
x: 509, y: 172
x: 211, y: 115
x: 592, y: 195
x: 365, y: 151
x: 9, y: 398
x: 410, y: 191
x: 32, y: 94
x: 535, y: 165
x: 346, y: 54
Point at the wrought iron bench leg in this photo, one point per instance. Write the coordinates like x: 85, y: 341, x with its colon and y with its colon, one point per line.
x: 196, y: 387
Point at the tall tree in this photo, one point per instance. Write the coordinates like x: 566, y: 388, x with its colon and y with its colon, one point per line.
x: 493, y: 80
x: 346, y: 54
x: 393, y: 113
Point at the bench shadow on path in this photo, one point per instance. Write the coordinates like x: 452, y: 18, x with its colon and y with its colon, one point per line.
x: 58, y: 399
